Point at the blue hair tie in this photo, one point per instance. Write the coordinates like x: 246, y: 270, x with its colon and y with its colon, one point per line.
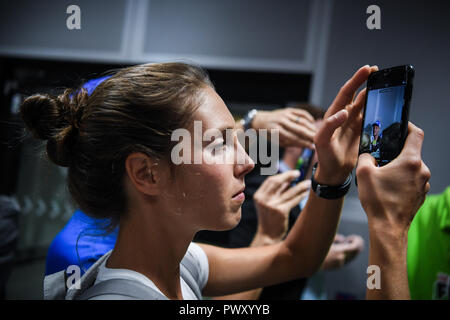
x: 93, y: 83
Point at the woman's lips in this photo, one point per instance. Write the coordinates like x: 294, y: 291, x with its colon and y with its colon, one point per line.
x: 239, y: 197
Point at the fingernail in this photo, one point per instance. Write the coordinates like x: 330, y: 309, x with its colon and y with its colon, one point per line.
x: 296, y: 173
x: 340, y: 115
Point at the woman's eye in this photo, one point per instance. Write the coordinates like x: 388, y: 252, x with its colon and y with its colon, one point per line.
x: 220, y: 145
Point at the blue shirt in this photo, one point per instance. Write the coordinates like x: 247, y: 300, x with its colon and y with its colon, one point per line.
x: 81, y: 242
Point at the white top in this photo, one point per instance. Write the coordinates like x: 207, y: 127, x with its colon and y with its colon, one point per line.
x: 197, y: 258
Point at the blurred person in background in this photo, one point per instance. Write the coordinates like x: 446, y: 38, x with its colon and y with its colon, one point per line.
x: 9, y: 234
x: 429, y: 249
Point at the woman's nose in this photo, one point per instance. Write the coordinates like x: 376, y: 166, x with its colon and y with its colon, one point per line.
x: 244, y: 164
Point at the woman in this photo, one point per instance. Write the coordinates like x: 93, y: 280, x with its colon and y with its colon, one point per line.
x: 117, y: 146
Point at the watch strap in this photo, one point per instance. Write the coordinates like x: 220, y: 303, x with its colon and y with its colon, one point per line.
x: 248, y: 118
x: 329, y: 192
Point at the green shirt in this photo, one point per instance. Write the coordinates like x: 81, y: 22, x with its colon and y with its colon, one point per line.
x: 428, y: 254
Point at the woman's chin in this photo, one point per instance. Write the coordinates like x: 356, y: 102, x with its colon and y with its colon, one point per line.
x: 235, y: 219
x: 231, y: 220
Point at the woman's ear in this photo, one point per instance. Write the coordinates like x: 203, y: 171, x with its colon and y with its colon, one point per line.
x: 143, y: 173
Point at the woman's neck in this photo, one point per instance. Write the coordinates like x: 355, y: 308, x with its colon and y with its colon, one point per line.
x: 153, y: 246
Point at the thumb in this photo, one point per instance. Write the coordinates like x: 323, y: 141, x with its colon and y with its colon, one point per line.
x: 329, y: 125
x: 414, y: 141
x: 366, y: 164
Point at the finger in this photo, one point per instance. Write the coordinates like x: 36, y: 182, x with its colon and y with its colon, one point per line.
x: 355, y: 114
x: 427, y: 187
x: 424, y: 195
x: 338, y: 238
x: 351, y: 249
x: 287, y: 139
x: 426, y: 173
x: 361, y: 97
x: 373, y: 69
x: 302, y: 113
x: 347, y: 91
x: 300, y: 121
x: 294, y: 191
x: 338, y: 247
x: 356, y: 242
x: 275, y: 182
x: 291, y: 203
x: 330, y: 124
x: 283, y: 188
x: 414, y: 141
x: 359, y: 101
x: 301, y: 129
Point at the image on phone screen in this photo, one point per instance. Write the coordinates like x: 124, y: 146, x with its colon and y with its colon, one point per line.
x: 382, y: 122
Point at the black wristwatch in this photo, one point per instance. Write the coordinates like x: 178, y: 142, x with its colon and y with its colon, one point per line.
x: 330, y: 192
x: 248, y: 118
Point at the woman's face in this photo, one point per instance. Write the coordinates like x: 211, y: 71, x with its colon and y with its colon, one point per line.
x: 208, y: 195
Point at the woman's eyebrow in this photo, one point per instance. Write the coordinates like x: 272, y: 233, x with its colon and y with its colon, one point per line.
x: 223, y: 132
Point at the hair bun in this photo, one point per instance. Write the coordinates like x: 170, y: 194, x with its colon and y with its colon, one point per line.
x: 56, y: 119
x: 41, y: 115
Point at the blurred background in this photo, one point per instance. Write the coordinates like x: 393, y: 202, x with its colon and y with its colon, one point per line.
x: 259, y: 54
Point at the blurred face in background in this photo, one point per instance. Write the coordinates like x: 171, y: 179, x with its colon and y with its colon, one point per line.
x: 376, y: 130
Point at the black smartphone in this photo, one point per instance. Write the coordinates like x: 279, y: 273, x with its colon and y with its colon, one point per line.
x: 386, y: 113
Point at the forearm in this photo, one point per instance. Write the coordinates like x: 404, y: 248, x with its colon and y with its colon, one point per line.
x: 309, y: 240
x: 388, y: 252
x: 258, y: 241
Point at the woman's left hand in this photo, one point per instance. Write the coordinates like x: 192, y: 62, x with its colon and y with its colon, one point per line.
x: 337, y: 140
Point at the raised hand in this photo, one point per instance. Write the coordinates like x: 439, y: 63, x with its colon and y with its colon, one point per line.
x: 392, y: 194
x: 295, y: 126
x: 337, y: 140
x: 342, y: 251
x: 274, y: 200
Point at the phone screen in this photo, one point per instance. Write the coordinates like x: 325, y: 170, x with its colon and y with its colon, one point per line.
x: 304, y: 163
x: 382, y: 122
